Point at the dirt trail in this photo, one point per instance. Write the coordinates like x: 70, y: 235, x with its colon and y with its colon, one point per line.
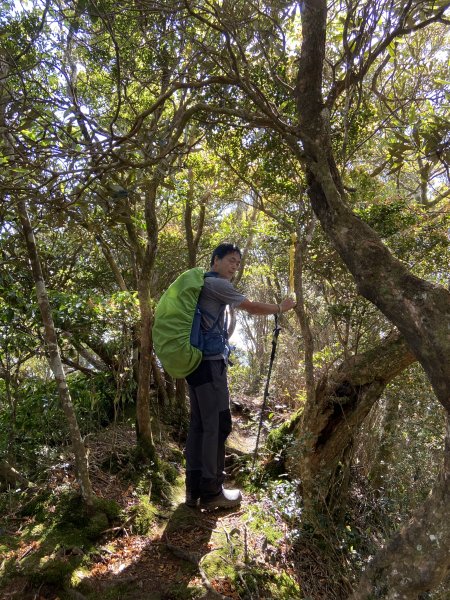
x: 186, y: 553
x: 165, y: 564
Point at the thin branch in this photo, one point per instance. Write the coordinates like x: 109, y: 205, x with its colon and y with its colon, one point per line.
x: 352, y: 77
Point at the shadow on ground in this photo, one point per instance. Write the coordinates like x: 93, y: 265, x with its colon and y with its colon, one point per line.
x: 164, y: 568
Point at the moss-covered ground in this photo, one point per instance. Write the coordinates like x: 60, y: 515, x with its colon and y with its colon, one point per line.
x: 140, y: 540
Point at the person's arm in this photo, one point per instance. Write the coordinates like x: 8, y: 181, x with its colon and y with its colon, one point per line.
x: 263, y: 308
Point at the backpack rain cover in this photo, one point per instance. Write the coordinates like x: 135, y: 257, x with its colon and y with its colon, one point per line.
x: 172, y: 326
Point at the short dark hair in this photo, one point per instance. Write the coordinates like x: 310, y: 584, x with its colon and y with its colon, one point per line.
x: 224, y: 249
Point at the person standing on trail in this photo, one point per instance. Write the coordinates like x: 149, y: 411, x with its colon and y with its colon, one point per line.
x: 210, y: 418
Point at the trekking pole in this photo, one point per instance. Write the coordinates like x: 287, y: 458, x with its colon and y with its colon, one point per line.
x: 276, y: 332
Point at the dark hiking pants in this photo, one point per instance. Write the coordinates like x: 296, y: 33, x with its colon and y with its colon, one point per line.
x: 209, y: 427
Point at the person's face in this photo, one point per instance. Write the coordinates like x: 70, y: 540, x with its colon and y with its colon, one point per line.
x: 227, y: 266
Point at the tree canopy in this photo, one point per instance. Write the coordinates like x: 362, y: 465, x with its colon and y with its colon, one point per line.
x: 136, y: 137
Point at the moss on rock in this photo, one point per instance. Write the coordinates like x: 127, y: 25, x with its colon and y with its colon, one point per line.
x: 143, y: 516
x: 96, y: 525
x: 278, y: 443
x: 54, y: 571
x: 109, y: 507
x: 280, y: 437
x: 267, y: 583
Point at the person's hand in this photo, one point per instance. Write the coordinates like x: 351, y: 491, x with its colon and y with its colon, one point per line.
x: 287, y: 304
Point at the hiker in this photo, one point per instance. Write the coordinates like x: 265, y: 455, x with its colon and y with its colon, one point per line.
x: 210, y: 420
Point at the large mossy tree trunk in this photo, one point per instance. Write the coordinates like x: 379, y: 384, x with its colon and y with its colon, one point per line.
x: 419, y: 309
x: 321, y: 454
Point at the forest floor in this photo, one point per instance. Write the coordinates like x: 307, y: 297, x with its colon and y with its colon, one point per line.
x: 155, y: 548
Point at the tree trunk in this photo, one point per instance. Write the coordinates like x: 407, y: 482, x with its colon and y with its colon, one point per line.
x: 419, y: 309
x: 11, y: 476
x: 160, y: 384
x: 11, y: 389
x: 112, y: 263
x: 192, y: 239
x: 300, y: 310
x: 324, y: 437
x: 180, y: 401
x: 143, y: 418
x: 81, y: 463
x: 418, y: 557
x: 170, y: 385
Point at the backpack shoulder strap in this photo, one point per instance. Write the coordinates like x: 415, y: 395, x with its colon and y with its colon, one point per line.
x: 214, y: 319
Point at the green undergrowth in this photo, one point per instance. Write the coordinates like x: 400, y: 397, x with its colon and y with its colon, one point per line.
x: 155, y: 480
x: 143, y: 516
x: 263, y: 523
x: 57, y: 537
x: 7, y: 541
x: 278, y: 443
x: 263, y: 583
x: 39, y: 424
x: 271, y: 464
x: 237, y: 557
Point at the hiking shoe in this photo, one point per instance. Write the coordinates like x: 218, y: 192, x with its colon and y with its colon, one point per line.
x: 226, y: 499
x: 192, y: 500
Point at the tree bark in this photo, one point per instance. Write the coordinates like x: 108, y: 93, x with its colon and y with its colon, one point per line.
x: 12, y: 392
x: 181, y: 405
x: 54, y: 357
x: 170, y: 385
x: 112, y: 263
x: 11, y: 476
x: 143, y: 418
x: 324, y: 437
x: 302, y: 315
x: 418, y: 557
x: 419, y: 309
x: 161, y: 391
x: 93, y: 359
x: 192, y: 239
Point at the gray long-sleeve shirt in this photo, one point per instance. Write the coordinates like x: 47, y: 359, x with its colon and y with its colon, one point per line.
x: 216, y: 293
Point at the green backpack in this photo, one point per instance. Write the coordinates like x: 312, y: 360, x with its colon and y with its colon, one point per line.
x: 173, y: 324
x: 178, y: 339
